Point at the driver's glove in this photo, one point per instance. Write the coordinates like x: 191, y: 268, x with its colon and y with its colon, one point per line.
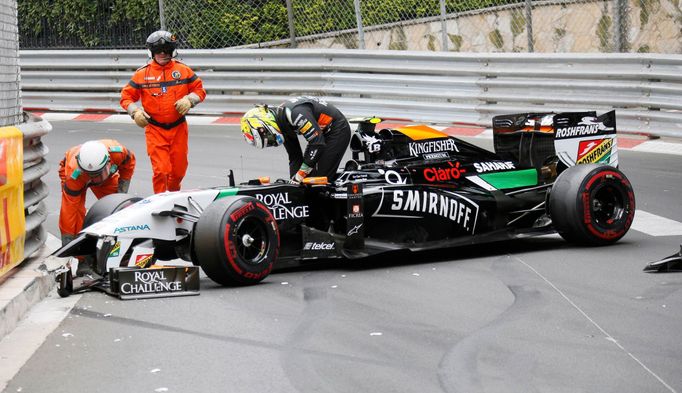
x: 301, y: 174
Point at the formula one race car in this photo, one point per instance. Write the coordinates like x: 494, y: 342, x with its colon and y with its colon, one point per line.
x: 411, y: 188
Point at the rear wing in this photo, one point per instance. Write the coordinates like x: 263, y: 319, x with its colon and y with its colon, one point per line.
x: 574, y: 137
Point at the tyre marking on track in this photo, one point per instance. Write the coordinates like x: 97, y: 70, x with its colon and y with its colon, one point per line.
x: 654, y: 225
x: 607, y: 335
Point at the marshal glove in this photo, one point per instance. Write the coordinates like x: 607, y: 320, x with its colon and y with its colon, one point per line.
x: 123, y: 185
x: 140, y: 117
x: 184, y: 104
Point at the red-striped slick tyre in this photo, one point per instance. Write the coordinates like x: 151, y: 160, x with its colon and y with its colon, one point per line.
x: 592, y: 204
x: 236, y: 241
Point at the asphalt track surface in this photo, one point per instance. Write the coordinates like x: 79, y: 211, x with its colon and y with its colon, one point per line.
x: 537, y: 315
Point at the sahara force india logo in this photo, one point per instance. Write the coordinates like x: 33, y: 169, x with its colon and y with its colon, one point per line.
x: 435, y: 146
x: 280, y: 206
x: 493, y: 166
x: 595, y: 150
x: 452, y: 206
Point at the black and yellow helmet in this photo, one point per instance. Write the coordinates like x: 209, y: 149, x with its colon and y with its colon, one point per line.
x: 260, y: 129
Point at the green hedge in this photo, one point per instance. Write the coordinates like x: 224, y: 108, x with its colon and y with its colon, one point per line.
x: 86, y: 23
x: 207, y: 23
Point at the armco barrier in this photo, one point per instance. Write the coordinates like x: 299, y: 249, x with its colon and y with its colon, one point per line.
x: 35, y: 190
x: 433, y: 87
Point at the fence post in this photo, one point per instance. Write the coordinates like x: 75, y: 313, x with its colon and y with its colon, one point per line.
x: 361, y: 31
x: 162, y: 19
x: 443, y: 27
x: 529, y: 25
x: 292, y: 29
x: 618, y: 44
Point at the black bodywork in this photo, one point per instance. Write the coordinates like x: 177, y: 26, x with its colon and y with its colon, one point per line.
x: 409, y: 188
x: 416, y: 192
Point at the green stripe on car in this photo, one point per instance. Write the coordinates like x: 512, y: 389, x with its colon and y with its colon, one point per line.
x: 227, y: 192
x: 511, y: 179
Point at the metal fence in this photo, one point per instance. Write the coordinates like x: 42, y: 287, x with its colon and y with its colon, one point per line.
x: 10, y: 107
x: 641, y: 26
x: 431, y: 87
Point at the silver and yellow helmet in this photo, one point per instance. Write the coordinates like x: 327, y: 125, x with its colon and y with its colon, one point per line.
x: 260, y: 128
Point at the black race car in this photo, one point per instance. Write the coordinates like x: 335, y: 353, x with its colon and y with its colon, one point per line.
x: 412, y: 187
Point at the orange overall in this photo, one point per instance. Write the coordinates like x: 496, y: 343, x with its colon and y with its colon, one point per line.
x: 75, y: 183
x: 159, y: 87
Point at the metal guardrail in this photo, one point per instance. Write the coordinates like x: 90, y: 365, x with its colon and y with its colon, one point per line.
x: 35, y: 190
x: 426, y: 87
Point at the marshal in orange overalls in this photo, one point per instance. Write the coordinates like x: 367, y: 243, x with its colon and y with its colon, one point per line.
x: 159, y: 87
x: 75, y: 183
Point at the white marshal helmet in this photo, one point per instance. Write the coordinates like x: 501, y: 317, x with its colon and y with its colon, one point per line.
x: 93, y: 157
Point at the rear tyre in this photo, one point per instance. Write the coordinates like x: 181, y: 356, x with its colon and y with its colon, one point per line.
x: 107, y: 206
x: 592, y: 204
x: 236, y: 241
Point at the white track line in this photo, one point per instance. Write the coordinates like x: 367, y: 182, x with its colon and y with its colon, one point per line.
x: 654, y: 225
x: 607, y: 335
x: 57, y: 116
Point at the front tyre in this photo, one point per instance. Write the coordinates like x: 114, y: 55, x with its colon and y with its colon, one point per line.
x: 108, y: 205
x: 592, y: 204
x: 102, y: 208
x: 236, y: 241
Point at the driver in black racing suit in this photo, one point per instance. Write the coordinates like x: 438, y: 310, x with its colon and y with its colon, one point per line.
x: 323, y: 126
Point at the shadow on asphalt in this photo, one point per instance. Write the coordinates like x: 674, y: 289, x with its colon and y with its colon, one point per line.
x: 452, y: 254
x: 408, y: 258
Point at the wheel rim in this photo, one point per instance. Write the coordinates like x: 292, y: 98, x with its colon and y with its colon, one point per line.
x: 251, y: 238
x: 608, y: 206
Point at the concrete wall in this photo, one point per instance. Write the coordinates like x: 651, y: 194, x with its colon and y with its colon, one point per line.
x: 649, y: 26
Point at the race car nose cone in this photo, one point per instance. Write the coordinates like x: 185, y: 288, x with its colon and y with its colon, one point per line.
x: 672, y: 263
